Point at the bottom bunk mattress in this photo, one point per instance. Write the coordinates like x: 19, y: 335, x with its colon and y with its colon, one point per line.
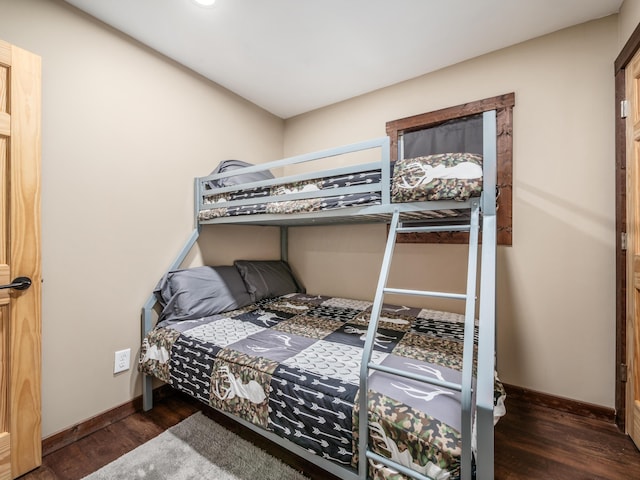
x: 291, y: 365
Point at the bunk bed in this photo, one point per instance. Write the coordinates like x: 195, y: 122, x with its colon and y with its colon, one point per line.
x: 292, y: 365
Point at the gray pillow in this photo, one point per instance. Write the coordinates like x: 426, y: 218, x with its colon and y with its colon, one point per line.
x: 229, y: 165
x: 200, y: 292
x: 267, y: 278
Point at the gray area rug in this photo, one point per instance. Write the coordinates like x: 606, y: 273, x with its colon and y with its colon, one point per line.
x: 197, y: 448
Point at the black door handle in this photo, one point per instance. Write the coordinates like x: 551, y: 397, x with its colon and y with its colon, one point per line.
x: 19, y: 283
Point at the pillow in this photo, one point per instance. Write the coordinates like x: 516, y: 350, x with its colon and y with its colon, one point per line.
x: 267, y: 278
x: 200, y: 292
x: 445, y: 176
x: 229, y: 165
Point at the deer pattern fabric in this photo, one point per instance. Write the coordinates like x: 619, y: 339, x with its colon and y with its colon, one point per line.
x: 291, y: 365
x: 445, y: 176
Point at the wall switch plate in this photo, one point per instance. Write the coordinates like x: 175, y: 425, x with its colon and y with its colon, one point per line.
x: 122, y: 360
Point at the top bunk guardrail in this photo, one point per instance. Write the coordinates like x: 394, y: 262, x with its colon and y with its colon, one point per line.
x: 365, y: 192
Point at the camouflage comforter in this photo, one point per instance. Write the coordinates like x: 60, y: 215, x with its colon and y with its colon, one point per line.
x: 219, y: 203
x: 448, y: 176
x: 291, y: 365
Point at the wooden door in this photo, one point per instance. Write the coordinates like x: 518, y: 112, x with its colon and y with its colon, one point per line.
x: 633, y: 248
x: 20, y: 331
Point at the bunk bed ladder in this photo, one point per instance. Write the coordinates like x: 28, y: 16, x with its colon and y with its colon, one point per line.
x: 465, y: 387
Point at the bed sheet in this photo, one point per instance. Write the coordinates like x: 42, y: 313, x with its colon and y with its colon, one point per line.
x: 291, y: 365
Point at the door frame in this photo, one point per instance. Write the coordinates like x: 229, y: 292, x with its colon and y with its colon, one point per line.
x: 624, y: 58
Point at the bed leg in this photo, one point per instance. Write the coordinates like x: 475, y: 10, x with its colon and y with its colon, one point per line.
x: 147, y: 392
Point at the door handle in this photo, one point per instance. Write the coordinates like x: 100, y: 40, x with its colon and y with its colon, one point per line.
x: 19, y: 283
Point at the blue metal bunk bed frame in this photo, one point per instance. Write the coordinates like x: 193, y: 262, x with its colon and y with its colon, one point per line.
x: 483, y: 219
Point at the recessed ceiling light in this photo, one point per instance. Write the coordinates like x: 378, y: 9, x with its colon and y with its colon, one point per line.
x: 205, y: 3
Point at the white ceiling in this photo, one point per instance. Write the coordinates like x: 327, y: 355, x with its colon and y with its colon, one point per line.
x: 293, y: 56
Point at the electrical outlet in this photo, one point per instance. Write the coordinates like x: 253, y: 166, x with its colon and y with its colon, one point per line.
x: 122, y: 360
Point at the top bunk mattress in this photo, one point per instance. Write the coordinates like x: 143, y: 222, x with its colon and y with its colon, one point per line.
x: 432, y: 179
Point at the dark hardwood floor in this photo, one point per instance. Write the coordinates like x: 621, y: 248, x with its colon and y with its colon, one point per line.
x: 532, y: 443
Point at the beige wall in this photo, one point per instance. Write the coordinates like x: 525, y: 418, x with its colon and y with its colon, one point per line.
x: 556, y: 297
x: 124, y: 133
x: 628, y: 20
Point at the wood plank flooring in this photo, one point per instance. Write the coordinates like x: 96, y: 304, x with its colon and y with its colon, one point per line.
x: 532, y: 443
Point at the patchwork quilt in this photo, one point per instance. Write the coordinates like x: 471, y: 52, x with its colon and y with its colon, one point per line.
x: 450, y: 176
x: 219, y: 207
x: 445, y: 176
x: 291, y: 365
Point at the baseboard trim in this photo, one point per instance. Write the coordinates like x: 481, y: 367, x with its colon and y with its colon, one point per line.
x: 72, y: 434
x: 66, y: 437
x: 562, y: 404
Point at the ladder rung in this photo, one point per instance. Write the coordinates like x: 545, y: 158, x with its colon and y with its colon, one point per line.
x: 435, y: 228
x: 424, y: 293
x: 387, y: 462
x: 413, y: 376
